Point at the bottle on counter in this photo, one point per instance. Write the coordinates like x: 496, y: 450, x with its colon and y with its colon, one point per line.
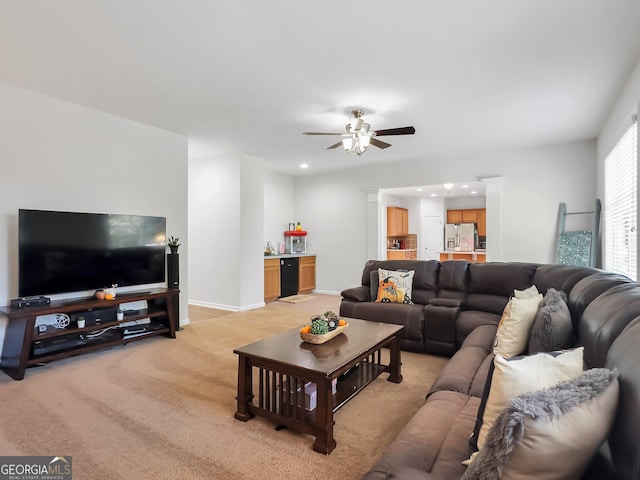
x: 298, y: 227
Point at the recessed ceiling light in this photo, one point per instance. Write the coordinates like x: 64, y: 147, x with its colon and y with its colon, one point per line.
x: 304, y: 165
x: 465, y: 186
x: 448, y: 186
x: 474, y: 192
x: 418, y: 189
x: 433, y: 195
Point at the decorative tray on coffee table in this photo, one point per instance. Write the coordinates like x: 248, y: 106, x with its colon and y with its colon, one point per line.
x: 318, y: 339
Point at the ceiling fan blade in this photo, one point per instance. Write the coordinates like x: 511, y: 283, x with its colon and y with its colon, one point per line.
x: 379, y: 143
x: 320, y: 133
x: 335, y: 146
x: 396, y: 131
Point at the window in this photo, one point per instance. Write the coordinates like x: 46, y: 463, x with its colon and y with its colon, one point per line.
x: 620, y: 205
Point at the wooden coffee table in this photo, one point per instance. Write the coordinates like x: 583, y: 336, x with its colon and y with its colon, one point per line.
x: 287, y: 368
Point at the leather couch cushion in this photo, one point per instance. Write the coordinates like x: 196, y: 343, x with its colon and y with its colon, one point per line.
x: 466, y: 372
x: 500, y: 278
x: 624, y: 440
x: 411, y: 316
x: 434, y: 440
x: 605, y: 318
x: 560, y: 277
x: 469, y: 320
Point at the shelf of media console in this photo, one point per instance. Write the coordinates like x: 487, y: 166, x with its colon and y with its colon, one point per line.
x: 21, y: 334
x: 144, y: 313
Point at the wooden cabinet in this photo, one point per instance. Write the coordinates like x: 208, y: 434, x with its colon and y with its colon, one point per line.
x: 482, y: 222
x: 469, y: 216
x: 402, y: 255
x: 307, y: 274
x: 474, y: 257
x: 397, y: 221
x: 454, y: 216
x: 271, y: 279
x: 26, y: 344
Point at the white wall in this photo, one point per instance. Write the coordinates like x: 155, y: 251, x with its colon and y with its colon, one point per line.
x: 61, y: 156
x: 279, y: 206
x: 226, y: 227
x: 536, y: 180
x: 460, y: 203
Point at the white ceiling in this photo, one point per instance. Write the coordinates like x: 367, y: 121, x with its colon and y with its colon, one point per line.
x: 250, y: 75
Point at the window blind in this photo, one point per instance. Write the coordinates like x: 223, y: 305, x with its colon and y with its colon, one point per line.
x: 620, y: 205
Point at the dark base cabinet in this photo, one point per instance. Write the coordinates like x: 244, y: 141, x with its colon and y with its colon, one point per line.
x: 25, y: 346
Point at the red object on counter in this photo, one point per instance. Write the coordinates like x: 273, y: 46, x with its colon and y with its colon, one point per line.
x: 295, y: 233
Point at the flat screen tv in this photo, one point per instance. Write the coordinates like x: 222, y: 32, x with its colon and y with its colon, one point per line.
x: 65, y: 252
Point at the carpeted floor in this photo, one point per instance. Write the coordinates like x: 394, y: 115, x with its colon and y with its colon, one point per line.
x: 163, y: 409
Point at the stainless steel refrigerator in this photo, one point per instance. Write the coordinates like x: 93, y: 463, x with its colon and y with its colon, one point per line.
x: 460, y: 236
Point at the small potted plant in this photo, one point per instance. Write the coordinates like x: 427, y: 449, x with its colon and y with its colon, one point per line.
x: 173, y: 244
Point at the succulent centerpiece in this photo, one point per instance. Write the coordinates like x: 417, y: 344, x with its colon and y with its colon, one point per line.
x: 323, y: 327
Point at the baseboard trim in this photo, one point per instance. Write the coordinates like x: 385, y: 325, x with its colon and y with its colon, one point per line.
x: 220, y: 306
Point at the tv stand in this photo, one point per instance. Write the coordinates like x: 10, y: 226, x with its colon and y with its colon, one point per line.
x: 20, y: 335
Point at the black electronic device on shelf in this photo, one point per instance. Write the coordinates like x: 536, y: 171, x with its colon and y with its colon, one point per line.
x: 35, y: 301
x: 57, y: 344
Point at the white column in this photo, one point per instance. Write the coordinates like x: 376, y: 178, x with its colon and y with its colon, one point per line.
x: 493, y: 192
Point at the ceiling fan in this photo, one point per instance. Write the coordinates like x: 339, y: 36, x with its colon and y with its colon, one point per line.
x: 359, y: 135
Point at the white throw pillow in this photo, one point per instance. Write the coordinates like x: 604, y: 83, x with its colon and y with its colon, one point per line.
x: 527, y: 374
x: 515, y: 325
x: 532, y: 291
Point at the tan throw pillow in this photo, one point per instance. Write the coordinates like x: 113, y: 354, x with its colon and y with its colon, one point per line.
x: 395, y: 286
x: 515, y: 325
x: 526, y: 374
x: 550, y: 434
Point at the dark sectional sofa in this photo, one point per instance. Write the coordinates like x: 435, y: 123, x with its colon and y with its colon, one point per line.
x: 456, y: 310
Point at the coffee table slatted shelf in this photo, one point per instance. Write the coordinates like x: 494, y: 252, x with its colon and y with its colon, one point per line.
x: 278, y: 368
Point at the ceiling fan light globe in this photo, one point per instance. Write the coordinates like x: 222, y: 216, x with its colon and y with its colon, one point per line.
x: 355, y: 124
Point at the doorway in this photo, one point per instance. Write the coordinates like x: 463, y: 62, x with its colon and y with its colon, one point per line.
x: 432, y: 237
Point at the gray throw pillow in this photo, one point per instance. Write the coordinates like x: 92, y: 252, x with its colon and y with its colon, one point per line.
x: 552, y: 328
x: 551, y: 433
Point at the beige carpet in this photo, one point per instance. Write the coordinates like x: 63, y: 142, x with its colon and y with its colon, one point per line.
x: 297, y: 298
x: 163, y: 409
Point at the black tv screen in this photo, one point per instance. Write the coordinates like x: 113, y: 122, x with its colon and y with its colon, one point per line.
x: 64, y: 252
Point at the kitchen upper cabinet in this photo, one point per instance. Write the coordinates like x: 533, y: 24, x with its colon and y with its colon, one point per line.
x: 397, y: 221
x: 469, y: 216
x: 482, y: 221
x: 271, y: 279
x: 454, y: 216
x: 306, y: 274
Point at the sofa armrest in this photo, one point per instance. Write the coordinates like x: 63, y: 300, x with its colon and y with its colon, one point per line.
x: 440, y: 327
x: 445, y: 302
x: 358, y: 294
